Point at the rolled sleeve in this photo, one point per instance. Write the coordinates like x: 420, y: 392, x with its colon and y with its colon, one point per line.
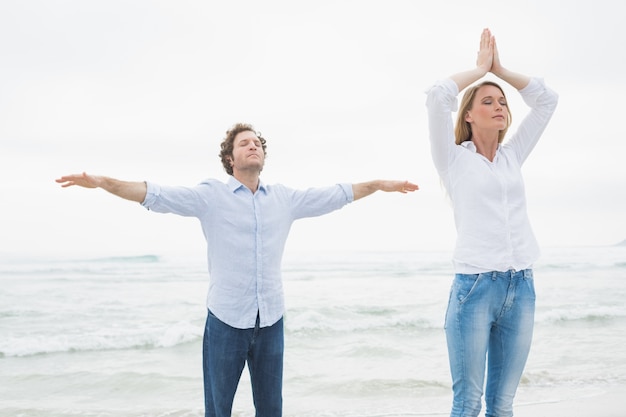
x: 152, y: 193
x: 536, y: 93
x: 443, y: 95
x: 441, y: 102
x: 347, y: 189
x: 314, y: 202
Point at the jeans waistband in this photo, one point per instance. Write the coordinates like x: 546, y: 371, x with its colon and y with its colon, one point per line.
x: 511, y: 273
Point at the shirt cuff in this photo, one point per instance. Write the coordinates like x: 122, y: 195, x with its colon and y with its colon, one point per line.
x: 347, y: 189
x: 533, y: 85
x: 448, y: 92
x: 152, y: 193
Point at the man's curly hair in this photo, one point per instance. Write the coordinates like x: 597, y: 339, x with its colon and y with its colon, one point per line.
x: 227, y: 145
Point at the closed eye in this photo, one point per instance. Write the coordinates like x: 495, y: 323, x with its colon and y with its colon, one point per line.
x: 489, y: 102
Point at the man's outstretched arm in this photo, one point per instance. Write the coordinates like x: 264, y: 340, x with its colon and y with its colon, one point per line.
x: 129, y: 190
x: 364, y: 189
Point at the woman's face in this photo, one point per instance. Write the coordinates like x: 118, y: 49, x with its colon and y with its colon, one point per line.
x: 489, y: 109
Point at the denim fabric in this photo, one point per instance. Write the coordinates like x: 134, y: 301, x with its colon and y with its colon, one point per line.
x: 489, y: 326
x: 225, y: 353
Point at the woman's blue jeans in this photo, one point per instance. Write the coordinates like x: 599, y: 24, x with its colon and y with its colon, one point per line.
x: 489, y: 325
x: 225, y: 353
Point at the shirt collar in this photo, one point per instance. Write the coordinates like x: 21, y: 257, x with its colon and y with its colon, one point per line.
x: 234, y: 184
x: 469, y: 145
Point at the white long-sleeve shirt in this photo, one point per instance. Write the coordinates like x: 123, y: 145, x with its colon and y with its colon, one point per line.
x: 488, y: 198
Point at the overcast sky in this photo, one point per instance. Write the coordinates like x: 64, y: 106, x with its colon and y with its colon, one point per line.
x: 144, y: 90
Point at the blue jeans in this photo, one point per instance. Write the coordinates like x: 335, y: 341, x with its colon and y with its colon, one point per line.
x: 225, y: 352
x: 490, y: 315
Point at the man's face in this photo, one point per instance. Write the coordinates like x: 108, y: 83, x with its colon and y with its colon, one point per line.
x: 248, y: 153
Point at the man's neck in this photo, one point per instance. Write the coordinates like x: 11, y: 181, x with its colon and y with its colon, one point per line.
x: 249, y: 179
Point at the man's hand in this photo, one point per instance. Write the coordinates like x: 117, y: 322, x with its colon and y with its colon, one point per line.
x: 366, y: 188
x: 83, y: 180
x: 399, y: 186
x: 129, y: 190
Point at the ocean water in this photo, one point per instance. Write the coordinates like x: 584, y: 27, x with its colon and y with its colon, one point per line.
x: 121, y: 336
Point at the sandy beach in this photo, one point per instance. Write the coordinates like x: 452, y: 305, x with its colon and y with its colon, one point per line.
x: 608, y: 402
x: 601, y: 402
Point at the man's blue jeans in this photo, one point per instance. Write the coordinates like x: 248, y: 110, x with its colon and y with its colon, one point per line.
x: 225, y: 353
x: 490, y: 315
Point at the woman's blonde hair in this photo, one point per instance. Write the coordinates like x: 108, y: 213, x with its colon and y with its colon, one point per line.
x: 463, y: 130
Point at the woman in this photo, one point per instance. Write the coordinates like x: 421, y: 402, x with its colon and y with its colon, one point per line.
x: 492, y: 300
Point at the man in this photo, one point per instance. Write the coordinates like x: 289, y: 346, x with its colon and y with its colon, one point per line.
x: 246, y: 224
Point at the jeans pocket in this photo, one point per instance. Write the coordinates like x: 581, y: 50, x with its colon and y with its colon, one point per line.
x: 464, y: 286
x: 529, y: 280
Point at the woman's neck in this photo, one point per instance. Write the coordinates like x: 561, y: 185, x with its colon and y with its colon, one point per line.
x: 486, y: 145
